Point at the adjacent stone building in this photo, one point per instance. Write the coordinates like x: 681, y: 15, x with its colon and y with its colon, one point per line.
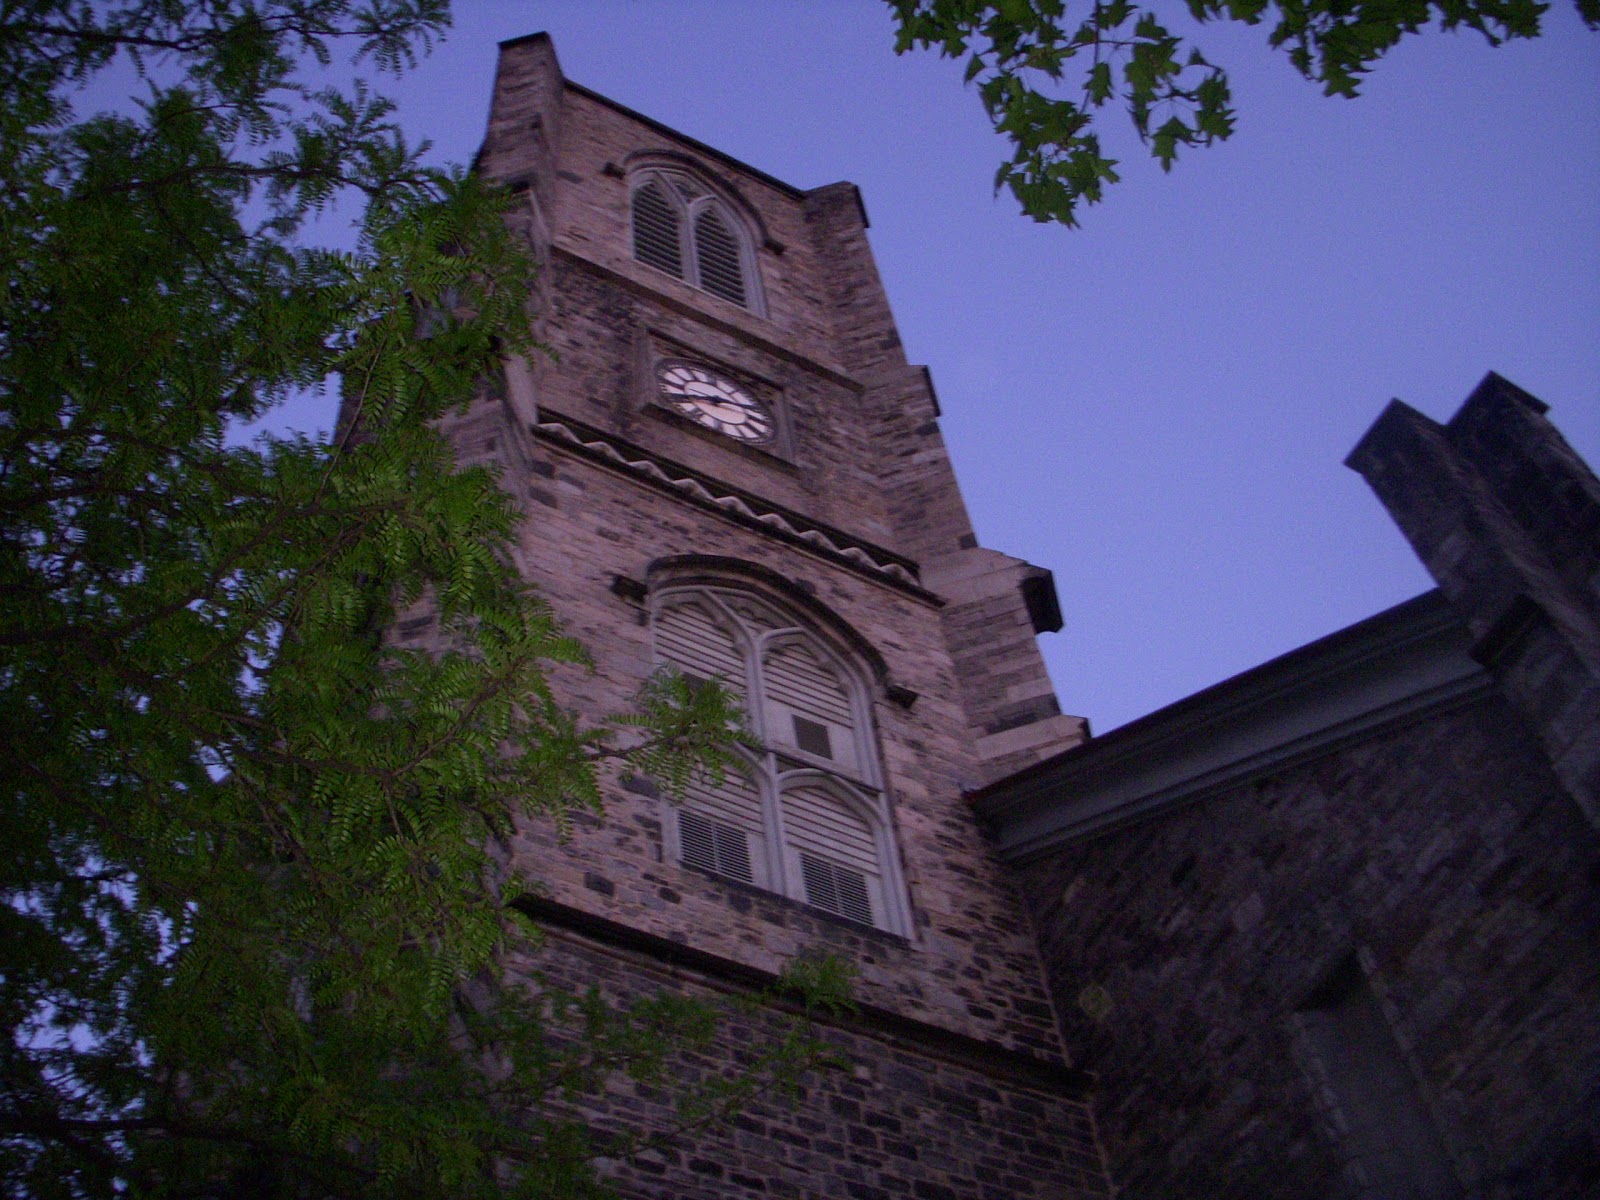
x: 1331, y: 927
x: 1327, y: 929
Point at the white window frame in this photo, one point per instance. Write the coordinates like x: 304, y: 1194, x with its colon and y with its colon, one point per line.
x: 672, y: 184
x: 781, y: 767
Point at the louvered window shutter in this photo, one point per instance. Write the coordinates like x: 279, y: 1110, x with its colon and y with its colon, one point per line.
x: 799, y: 679
x: 691, y: 639
x: 715, y: 847
x: 657, y: 233
x: 837, y: 889
x: 717, y: 249
x: 720, y: 829
x: 837, y: 851
x: 811, y: 709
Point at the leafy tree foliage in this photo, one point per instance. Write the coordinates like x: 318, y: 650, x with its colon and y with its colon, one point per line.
x: 1045, y: 76
x: 254, y: 900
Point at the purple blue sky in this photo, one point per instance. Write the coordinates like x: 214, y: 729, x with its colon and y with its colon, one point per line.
x: 1156, y: 406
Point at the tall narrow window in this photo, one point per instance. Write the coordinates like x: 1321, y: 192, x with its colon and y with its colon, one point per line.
x: 723, y: 830
x: 1380, y: 1122
x: 811, y: 821
x: 683, y: 229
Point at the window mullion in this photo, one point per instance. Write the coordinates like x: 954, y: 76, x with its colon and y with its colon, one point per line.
x: 784, y: 880
x: 691, y: 262
x: 772, y: 805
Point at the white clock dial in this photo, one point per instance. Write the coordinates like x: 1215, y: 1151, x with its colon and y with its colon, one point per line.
x: 711, y: 399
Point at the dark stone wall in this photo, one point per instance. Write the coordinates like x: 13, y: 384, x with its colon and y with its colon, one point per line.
x: 1447, y: 858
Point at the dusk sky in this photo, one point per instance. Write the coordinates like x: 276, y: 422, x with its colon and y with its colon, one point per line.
x: 1156, y: 406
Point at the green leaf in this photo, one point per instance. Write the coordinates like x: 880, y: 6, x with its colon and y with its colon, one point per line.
x: 1050, y: 172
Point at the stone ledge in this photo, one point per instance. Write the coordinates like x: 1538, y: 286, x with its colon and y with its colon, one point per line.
x: 734, y: 503
x: 987, y: 1058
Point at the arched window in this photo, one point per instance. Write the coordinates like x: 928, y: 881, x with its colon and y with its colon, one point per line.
x: 812, y: 821
x: 681, y: 228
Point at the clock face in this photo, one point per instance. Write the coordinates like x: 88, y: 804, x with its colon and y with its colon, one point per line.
x: 715, y: 401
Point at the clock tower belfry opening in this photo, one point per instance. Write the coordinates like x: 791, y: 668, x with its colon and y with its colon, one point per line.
x: 730, y: 470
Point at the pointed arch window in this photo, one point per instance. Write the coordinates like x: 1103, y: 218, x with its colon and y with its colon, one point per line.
x: 812, y: 821
x: 681, y: 228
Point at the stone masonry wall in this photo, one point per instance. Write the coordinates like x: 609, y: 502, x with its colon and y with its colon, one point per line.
x: 822, y: 349
x: 865, y: 453
x: 1447, y: 855
x: 1008, y: 696
x: 1010, y: 704
x: 606, y: 336
x: 896, y: 1121
x: 971, y: 966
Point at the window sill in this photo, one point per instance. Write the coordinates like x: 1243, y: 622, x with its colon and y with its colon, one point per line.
x: 789, y: 904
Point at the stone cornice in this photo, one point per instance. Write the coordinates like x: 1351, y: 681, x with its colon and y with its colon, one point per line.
x: 1406, y: 662
x: 735, y: 504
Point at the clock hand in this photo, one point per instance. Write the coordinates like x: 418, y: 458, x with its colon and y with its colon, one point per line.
x: 725, y: 408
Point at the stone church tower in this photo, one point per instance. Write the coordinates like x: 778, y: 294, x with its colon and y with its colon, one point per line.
x: 729, y: 466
